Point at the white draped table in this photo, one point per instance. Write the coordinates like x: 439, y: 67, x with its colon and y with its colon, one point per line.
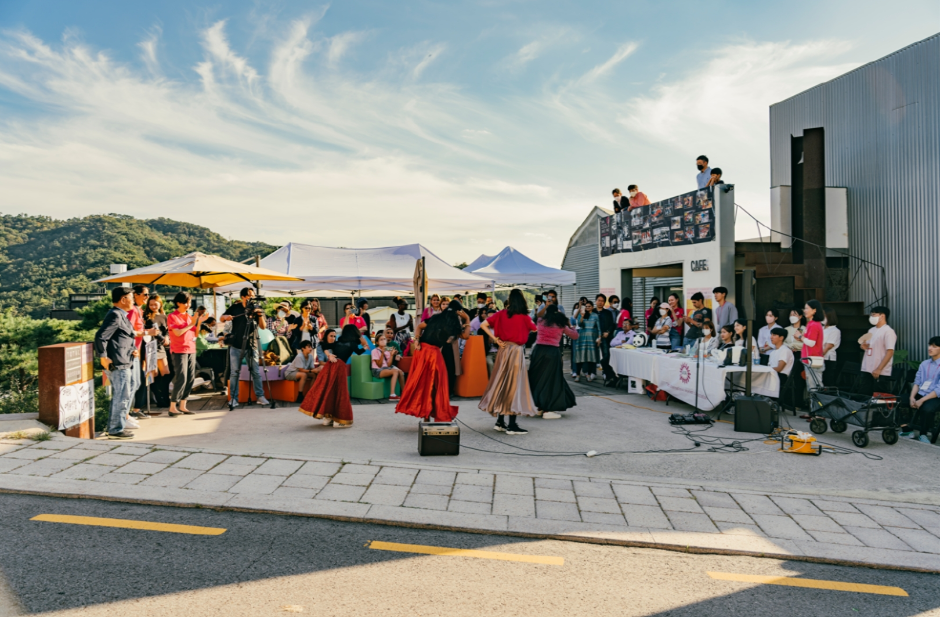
x: 677, y: 376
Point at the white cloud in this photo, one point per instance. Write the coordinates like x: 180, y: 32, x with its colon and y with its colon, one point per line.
x: 602, y: 69
x: 429, y: 56
x: 148, y: 49
x: 340, y: 44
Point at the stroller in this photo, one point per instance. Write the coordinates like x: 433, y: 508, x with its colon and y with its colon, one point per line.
x: 870, y: 413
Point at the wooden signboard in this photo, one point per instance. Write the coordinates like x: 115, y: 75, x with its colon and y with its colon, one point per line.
x: 67, y: 364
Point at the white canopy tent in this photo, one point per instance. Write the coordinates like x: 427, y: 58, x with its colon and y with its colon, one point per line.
x: 510, y: 268
x: 363, y: 272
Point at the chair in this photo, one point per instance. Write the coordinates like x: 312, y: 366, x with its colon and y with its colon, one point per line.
x: 363, y: 385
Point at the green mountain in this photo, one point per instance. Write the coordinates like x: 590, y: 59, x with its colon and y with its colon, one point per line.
x: 43, y: 260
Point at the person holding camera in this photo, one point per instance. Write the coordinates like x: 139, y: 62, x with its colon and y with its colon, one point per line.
x: 239, y: 314
x: 352, y: 318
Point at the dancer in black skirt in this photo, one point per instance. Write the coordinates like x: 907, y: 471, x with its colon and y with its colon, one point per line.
x: 550, y: 390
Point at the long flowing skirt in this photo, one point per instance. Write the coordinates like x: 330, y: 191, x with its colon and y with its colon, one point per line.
x: 329, y: 395
x: 427, y: 391
x: 508, y: 392
x: 547, y: 382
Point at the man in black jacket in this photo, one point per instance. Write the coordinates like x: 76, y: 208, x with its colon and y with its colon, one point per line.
x: 608, y: 325
x: 114, y: 344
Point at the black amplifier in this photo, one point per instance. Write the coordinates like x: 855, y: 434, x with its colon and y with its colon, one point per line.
x: 438, y: 439
x: 755, y: 414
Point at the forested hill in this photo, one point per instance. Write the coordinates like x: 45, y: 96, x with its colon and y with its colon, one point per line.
x: 43, y: 260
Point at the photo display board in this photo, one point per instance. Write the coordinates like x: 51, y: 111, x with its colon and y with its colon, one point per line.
x: 677, y: 221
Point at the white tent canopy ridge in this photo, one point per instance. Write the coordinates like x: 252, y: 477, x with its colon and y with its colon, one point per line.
x: 510, y: 268
x: 363, y: 272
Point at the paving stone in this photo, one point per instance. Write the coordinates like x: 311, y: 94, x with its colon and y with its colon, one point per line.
x: 101, y: 446
x: 834, y: 506
x: 75, y: 454
x: 664, y: 491
x: 29, y: 454
x: 201, y: 461
x: 112, y: 460
x: 363, y: 469
x: 851, y: 519
x: 6, y: 448
x: 485, y: 522
x: 306, y: 481
x: 141, y: 468
x: 513, y: 505
x: 252, y: 461
x: 257, y: 484
x: 645, y: 516
x: 162, y: 456
x: 728, y: 515
x: 319, y: 469
x: 121, y: 478
x: 469, y: 507
x: 215, y: 483
x: 593, y: 489
x: 878, y: 538
x: 924, y: 518
x: 430, y: 489
x: 443, y: 478
x: 341, y: 492
x: 515, y: 485
x: 835, y: 538
x: 780, y: 527
x: 396, y: 475
x: 678, y: 504
x: 385, y: 494
x: 817, y: 523
x: 353, y: 479
x: 82, y: 471
x: 553, y: 494
x: 690, y: 521
x: 472, y: 492
x: 173, y: 477
x: 278, y: 467
x: 290, y: 492
x: 792, y: 505
x: 131, y: 450
x: 887, y: 517
x: 56, y: 444
x: 636, y: 495
x: 9, y: 464
x: 602, y: 518
x: 44, y: 467
x: 757, y: 504
x: 740, y: 529
x: 553, y: 483
x: 598, y: 504
x: 477, y: 479
x: 426, y: 502
x: 918, y: 539
x: 228, y: 469
x: 556, y: 510
x: 715, y: 500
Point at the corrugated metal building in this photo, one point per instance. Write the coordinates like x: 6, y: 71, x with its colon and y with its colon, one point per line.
x: 582, y: 256
x: 882, y: 143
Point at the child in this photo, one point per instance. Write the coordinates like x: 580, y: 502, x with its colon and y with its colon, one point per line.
x: 382, y: 358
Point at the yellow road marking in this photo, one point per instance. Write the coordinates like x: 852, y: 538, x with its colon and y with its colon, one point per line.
x: 128, y: 524
x: 809, y: 583
x: 461, y: 552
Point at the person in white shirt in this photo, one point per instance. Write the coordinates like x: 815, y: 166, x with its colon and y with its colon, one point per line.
x: 878, y: 353
x: 708, y: 341
x: 832, y: 338
x: 303, y: 369
x: 781, y: 360
x: 764, y: 344
x: 740, y: 332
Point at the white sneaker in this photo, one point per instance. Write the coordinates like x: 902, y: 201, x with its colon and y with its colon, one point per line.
x: 263, y: 401
x: 335, y: 425
x: 550, y: 415
x: 591, y: 377
x: 574, y: 375
x: 577, y: 378
x: 130, y: 422
x: 327, y: 421
x: 233, y: 404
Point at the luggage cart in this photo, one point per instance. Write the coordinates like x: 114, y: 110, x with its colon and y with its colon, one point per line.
x: 870, y: 413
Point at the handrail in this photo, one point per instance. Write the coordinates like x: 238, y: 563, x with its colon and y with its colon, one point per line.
x: 881, y: 299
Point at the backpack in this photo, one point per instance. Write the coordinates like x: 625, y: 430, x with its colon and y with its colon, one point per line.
x: 281, y: 348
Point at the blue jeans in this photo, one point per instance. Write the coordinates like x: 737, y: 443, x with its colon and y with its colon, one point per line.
x: 675, y: 339
x: 121, y: 396
x: 253, y: 368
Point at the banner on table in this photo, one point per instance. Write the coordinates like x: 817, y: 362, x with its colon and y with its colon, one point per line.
x: 677, y: 221
x: 76, y: 404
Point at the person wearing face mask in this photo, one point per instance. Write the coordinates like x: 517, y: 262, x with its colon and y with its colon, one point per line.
x: 832, y: 338
x: 796, y: 326
x: 764, y: 342
x: 621, y: 203
x: 623, y: 311
x: 708, y: 341
x: 704, y: 171
x: 677, y: 313
x: 652, y: 314
x: 585, y: 350
x: 280, y: 325
x: 637, y: 199
x: 663, y: 327
x: 812, y: 339
x: 878, y: 346
x: 479, y: 308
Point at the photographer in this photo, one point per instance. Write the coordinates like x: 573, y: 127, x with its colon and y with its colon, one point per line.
x: 352, y: 317
x: 239, y: 314
x: 547, y: 299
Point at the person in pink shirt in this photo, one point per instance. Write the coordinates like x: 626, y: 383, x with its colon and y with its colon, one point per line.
x: 182, y: 328
x: 637, y: 199
x: 383, y: 359
x: 550, y: 390
x: 812, y: 340
x: 678, y: 318
x: 433, y: 309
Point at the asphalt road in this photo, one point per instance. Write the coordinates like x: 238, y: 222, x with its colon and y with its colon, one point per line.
x: 272, y: 565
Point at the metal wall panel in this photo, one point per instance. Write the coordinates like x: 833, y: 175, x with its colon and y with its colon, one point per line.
x: 584, y: 261
x: 644, y: 288
x: 882, y: 124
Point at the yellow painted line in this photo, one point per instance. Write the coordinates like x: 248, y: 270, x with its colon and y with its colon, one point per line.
x: 128, y: 524
x: 809, y: 583
x: 461, y: 552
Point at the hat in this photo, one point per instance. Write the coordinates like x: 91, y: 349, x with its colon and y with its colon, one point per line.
x: 285, y: 304
x: 361, y: 301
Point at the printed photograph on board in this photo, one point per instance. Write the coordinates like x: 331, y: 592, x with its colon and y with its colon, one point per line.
x: 676, y: 223
x: 647, y: 237
x: 690, y: 233
x: 678, y: 236
x: 703, y: 217
x: 688, y: 218
x: 661, y: 234
x: 703, y: 231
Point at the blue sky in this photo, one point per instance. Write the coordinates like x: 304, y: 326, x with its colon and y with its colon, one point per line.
x: 466, y: 126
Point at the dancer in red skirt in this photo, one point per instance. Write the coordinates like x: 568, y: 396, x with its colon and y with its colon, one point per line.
x: 427, y: 391
x: 328, y: 398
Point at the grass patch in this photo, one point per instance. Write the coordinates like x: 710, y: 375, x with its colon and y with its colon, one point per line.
x: 46, y: 436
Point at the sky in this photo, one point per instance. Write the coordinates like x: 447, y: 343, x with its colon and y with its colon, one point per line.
x: 463, y: 126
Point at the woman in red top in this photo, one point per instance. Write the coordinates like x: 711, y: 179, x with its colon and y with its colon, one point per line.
x: 182, y: 329
x: 678, y: 318
x: 507, y: 393
x: 812, y: 340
